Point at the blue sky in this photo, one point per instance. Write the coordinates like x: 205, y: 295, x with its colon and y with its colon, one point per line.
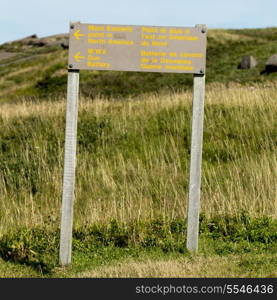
x: 22, y: 18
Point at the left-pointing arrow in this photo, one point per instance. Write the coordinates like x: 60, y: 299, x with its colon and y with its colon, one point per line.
x: 77, y: 34
x: 78, y: 57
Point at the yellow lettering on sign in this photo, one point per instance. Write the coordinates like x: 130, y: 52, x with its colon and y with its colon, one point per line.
x: 161, y: 37
x: 119, y: 28
x: 152, y: 53
x: 144, y: 43
x: 92, y: 41
x: 109, y: 35
x: 163, y: 30
x: 90, y: 57
x: 97, y: 51
x: 184, y: 38
x: 148, y: 36
x: 159, y: 44
x: 77, y: 34
x: 175, y: 61
x: 183, y: 68
x: 96, y: 28
x: 144, y: 60
x: 121, y: 42
x: 154, y: 67
x: 97, y: 35
x: 98, y: 64
x: 173, y: 54
x: 101, y: 51
x: 175, y: 31
x: 149, y: 29
x: 78, y: 57
x: 196, y: 55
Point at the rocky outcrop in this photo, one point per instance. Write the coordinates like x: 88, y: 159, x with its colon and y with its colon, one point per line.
x: 247, y: 62
x: 65, y: 44
x: 270, y: 65
x: 50, y: 41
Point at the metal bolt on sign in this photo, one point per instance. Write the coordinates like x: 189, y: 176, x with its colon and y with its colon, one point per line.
x: 142, y: 49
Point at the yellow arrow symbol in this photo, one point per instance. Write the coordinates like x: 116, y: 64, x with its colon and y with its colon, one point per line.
x: 78, y: 57
x: 77, y: 34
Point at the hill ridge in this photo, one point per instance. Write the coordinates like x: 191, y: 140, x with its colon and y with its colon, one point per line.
x: 37, y: 67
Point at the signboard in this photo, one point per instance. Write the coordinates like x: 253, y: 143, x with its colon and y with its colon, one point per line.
x: 137, y: 48
x: 143, y: 49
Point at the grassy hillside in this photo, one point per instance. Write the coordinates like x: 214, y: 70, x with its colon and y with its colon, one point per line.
x: 132, y: 181
x: 41, y: 71
x: 132, y: 171
x: 133, y: 157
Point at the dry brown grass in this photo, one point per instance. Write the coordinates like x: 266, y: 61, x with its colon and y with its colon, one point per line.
x: 127, y: 189
x: 225, y: 37
x: 198, y: 266
x: 217, y: 93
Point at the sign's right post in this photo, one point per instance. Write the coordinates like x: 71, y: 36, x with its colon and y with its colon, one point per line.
x: 195, y: 162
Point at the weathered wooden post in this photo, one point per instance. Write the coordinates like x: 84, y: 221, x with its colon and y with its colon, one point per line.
x: 69, y: 167
x: 196, y: 156
x: 195, y: 161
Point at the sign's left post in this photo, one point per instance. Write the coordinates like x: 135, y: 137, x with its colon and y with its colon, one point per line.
x: 69, y: 167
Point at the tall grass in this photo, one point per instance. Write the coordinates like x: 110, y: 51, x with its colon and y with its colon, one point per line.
x: 133, y: 157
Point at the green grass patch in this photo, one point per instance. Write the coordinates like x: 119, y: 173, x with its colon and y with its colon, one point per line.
x: 98, y: 245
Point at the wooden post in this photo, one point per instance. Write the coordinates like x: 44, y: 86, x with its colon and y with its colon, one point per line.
x: 69, y: 167
x: 195, y: 162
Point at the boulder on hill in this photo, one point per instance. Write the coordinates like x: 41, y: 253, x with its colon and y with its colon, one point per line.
x: 270, y: 65
x: 247, y: 62
x: 65, y: 44
x: 33, y: 36
x: 34, y: 42
x: 31, y: 40
x: 56, y: 40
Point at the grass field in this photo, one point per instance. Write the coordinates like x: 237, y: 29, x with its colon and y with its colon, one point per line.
x: 132, y: 172
x: 132, y: 184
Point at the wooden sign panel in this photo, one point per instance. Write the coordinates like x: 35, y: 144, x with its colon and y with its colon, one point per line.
x: 137, y: 48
